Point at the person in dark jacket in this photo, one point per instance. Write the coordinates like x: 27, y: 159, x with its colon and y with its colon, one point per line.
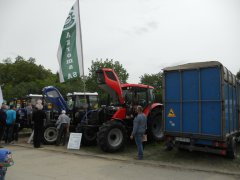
x: 38, y: 119
x: 139, y: 128
x: 3, y: 118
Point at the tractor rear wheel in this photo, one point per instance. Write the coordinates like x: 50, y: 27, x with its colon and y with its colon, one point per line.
x: 112, y: 136
x: 50, y: 134
x: 154, y: 127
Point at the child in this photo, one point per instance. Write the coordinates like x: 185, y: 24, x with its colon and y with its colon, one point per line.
x: 5, y: 162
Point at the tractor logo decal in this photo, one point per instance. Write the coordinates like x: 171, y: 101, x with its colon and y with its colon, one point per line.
x: 171, y: 113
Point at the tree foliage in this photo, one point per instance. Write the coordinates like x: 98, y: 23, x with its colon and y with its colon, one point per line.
x: 238, y: 74
x: 23, y: 76
x: 154, y: 80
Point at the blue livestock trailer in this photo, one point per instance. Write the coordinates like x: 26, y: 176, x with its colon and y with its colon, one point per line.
x: 202, y: 108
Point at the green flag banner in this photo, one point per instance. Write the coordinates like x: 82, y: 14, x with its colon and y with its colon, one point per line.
x: 70, y: 56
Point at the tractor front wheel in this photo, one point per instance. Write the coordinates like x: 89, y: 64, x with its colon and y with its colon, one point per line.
x: 50, y: 134
x: 112, y: 136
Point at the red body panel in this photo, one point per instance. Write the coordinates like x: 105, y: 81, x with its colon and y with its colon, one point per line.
x: 120, y: 114
x: 114, y: 85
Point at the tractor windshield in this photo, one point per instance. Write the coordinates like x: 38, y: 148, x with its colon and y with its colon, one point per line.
x: 80, y: 102
x: 138, y: 96
x: 70, y: 102
x: 33, y: 100
x: 93, y: 102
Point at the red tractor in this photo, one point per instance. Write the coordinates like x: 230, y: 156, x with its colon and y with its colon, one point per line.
x: 117, y: 118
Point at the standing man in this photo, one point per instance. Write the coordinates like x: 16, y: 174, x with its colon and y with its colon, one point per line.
x: 3, y: 118
x: 62, y: 124
x: 11, y: 118
x: 38, y: 119
x: 139, y: 128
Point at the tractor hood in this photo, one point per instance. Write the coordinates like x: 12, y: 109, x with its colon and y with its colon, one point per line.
x: 54, y: 96
x: 108, y: 81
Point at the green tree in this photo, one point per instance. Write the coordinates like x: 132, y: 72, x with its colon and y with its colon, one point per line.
x: 23, y: 77
x: 238, y: 74
x: 154, y: 80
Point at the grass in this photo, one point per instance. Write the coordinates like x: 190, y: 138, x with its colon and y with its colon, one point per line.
x: 155, y: 152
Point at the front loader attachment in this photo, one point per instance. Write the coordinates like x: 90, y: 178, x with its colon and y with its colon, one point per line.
x: 108, y: 80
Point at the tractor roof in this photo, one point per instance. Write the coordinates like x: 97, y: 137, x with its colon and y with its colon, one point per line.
x: 137, y: 85
x: 82, y: 93
x: 34, y: 95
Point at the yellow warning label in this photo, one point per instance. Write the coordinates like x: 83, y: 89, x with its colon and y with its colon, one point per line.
x: 171, y: 113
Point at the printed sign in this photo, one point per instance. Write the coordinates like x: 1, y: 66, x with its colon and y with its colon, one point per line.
x: 171, y: 113
x: 74, y: 141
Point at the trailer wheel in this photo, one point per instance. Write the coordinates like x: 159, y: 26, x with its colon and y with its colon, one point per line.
x: 50, y: 134
x: 112, y: 136
x: 155, y: 129
x: 232, y: 148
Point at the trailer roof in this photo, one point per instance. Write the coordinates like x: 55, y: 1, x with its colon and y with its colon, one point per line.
x: 193, y: 65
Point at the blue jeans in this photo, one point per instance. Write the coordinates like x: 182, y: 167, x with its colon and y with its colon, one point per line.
x: 138, y: 140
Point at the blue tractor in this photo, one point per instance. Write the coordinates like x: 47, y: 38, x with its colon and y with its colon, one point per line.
x: 79, y: 106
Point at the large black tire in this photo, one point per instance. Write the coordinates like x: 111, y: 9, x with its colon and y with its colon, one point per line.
x: 154, y: 126
x: 112, y: 136
x: 89, y: 135
x: 50, y: 134
x: 232, y: 148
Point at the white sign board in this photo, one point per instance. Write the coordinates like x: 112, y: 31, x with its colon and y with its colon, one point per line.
x: 74, y: 141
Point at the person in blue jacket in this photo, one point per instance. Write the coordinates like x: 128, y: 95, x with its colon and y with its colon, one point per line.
x: 139, y: 128
x: 11, y: 118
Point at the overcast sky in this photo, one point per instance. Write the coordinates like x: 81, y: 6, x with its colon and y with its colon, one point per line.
x: 144, y: 35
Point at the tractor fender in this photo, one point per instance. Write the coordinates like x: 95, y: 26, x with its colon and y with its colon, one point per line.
x: 152, y: 107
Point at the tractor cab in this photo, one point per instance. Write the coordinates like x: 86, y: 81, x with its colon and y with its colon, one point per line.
x: 138, y: 94
x: 128, y: 96
x: 80, y: 102
x: 32, y: 99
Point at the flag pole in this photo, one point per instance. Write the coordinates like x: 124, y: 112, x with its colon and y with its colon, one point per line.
x: 80, y: 31
x: 84, y: 78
